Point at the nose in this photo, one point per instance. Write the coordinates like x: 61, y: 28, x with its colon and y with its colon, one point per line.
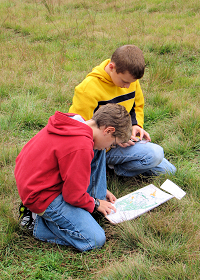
x: 126, y: 85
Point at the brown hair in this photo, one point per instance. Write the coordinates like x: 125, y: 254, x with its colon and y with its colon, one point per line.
x: 129, y: 58
x: 115, y: 115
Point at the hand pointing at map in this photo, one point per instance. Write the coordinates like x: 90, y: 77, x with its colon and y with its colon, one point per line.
x: 106, y: 206
x: 110, y: 197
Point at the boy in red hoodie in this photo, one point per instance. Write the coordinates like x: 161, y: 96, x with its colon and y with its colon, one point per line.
x: 61, y: 175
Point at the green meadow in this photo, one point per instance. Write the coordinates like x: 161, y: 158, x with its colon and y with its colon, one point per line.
x: 47, y: 47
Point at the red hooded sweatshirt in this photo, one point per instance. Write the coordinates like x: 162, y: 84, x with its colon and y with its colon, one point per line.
x: 56, y: 160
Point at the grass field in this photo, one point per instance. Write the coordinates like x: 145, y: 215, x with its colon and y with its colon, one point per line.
x: 47, y: 48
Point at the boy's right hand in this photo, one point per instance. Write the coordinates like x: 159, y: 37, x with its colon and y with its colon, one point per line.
x: 105, y: 207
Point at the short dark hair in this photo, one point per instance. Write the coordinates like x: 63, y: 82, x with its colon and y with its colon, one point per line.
x: 117, y: 116
x: 129, y: 58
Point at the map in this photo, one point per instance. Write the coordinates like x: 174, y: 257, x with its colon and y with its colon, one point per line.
x: 137, y: 203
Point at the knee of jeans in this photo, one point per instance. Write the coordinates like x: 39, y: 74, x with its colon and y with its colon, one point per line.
x: 98, y: 241
x: 158, y: 154
x: 93, y: 242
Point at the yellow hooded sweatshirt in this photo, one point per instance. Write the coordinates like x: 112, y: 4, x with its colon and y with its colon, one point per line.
x: 98, y: 89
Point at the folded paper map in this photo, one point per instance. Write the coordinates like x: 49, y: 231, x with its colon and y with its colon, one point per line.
x: 143, y: 200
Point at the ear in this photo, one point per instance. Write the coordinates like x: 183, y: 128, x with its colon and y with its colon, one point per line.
x: 109, y: 130
x: 111, y: 66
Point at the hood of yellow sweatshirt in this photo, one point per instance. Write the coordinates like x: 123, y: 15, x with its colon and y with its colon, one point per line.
x: 100, y: 73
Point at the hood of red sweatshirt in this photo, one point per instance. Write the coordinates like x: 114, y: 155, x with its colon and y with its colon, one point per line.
x: 63, y: 124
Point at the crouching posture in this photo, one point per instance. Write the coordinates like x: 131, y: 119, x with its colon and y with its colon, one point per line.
x: 61, y: 175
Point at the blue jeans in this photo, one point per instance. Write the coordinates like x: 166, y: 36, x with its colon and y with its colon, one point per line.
x: 65, y: 224
x: 147, y: 159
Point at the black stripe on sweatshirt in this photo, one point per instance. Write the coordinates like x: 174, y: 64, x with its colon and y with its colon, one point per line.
x: 117, y: 99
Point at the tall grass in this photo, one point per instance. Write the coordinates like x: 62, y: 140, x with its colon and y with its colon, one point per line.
x: 47, y: 48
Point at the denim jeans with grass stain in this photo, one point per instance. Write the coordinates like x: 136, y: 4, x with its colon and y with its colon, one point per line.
x: 147, y: 159
x: 68, y: 225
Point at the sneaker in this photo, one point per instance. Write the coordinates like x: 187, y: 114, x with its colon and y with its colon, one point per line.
x: 26, y: 217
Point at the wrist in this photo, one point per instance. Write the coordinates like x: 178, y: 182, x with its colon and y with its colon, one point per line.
x: 97, y: 203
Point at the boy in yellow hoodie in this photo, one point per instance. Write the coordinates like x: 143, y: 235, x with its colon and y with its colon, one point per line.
x: 116, y: 80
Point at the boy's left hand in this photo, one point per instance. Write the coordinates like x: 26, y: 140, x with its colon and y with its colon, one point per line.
x: 137, y: 131
x: 140, y: 132
x: 106, y: 207
x: 110, y: 197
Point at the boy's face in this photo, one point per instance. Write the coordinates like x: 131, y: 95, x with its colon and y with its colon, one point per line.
x: 121, y: 80
x: 104, y: 139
